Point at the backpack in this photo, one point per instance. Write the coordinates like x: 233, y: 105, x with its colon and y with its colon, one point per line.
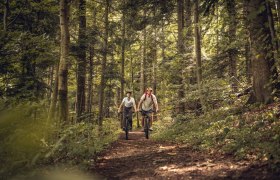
x: 151, y: 97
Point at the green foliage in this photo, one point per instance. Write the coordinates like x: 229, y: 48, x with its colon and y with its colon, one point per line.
x: 253, y: 134
x: 28, y: 139
x: 23, y: 132
x: 79, y: 143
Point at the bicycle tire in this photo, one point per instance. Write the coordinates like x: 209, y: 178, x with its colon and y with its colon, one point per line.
x: 147, y: 127
x: 126, y: 128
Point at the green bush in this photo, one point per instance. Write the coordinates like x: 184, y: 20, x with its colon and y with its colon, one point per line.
x: 28, y: 139
x: 251, y: 134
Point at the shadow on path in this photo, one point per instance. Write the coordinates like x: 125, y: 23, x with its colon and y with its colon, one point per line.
x: 139, y: 158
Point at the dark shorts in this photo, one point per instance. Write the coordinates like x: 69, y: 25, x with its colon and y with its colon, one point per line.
x: 144, y: 113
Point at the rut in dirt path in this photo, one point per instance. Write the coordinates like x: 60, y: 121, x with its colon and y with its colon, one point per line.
x: 139, y: 158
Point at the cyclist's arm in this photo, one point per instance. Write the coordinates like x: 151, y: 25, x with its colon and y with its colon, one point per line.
x: 141, y: 101
x: 134, y: 105
x: 156, y: 103
x: 119, y: 110
x: 139, y: 104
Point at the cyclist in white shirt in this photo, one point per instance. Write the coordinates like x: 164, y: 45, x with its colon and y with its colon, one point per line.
x: 128, y: 102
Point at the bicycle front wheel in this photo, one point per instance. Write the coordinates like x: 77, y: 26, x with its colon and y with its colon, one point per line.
x: 147, y: 127
x: 126, y: 128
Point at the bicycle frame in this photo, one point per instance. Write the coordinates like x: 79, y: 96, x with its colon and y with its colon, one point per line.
x: 147, y: 119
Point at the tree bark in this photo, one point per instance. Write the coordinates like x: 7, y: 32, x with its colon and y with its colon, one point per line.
x: 54, y: 95
x: 90, y: 79
x: 5, y: 15
x: 263, y: 63
x: 123, y: 55
x: 91, y: 68
x: 272, y: 29
x: 232, y: 52
x: 81, y: 61
x: 197, y: 44
x: 248, y: 62
x: 103, y: 65
x: 247, y: 48
x: 143, y: 62
x: 277, y: 3
x: 180, y: 82
x: 63, y: 64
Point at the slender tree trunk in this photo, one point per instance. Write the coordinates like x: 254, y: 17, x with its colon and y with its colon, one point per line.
x: 263, y: 63
x: 163, y: 42
x: 123, y: 55
x: 50, y: 82
x: 81, y: 69
x: 188, y: 40
x: 54, y: 95
x: 232, y: 52
x: 272, y: 29
x: 91, y: 69
x: 180, y: 83
x: 277, y: 3
x: 103, y: 65
x: 143, y: 62
x: 154, y: 62
x: 90, y: 79
x: 63, y: 64
x: 247, y: 48
x: 197, y: 44
x: 248, y: 62
x: 5, y: 15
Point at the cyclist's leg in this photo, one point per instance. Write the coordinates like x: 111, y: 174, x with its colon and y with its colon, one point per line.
x: 130, y: 118
x: 151, y: 119
x: 143, y: 119
x: 125, y: 112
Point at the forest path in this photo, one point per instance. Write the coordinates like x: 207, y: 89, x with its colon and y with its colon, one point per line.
x: 139, y: 158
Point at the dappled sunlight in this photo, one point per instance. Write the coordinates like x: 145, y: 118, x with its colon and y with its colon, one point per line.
x: 203, y: 168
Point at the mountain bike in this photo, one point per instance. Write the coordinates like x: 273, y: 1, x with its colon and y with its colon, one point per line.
x: 127, y: 126
x: 147, y: 119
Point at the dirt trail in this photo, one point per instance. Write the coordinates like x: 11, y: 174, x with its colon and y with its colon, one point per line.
x: 139, y: 158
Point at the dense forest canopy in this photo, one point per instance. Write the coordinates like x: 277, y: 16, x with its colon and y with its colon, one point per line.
x: 65, y: 64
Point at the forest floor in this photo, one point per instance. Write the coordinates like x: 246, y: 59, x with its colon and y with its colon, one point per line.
x: 139, y: 158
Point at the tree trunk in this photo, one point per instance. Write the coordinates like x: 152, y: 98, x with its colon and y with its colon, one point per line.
x: 232, y: 52
x: 277, y: 3
x: 272, y: 29
x: 90, y: 79
x: 123, y: 55
x: 154, y: 51
x: 197, y: 44
x: 247, y: 48
x: 54, y: 95
x: 248, y: 62
x: 103, y: 65
x: 91, y: 69
x: 50, y: 82
x: 143, y: 62
x: 263, y: 65
x: 5, y: 15
x: 188, y: 40
x: 81, y: 69
x: 180, y: 82
x: 63, y: 64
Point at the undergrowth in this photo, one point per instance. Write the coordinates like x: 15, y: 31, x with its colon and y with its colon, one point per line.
x: 247, y: 133
x: 28, y: 140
